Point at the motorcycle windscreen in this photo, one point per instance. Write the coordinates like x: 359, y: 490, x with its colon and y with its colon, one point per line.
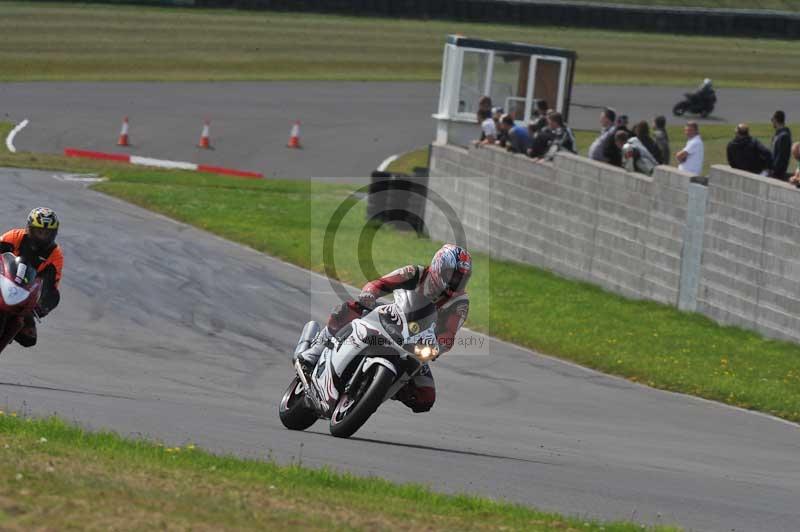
x: 17, y: 270
x: 12, y: 293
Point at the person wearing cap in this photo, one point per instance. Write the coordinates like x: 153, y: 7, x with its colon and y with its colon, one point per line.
x: 781, y: 146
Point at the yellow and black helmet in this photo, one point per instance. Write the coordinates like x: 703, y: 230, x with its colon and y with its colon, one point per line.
x: 42, y: 227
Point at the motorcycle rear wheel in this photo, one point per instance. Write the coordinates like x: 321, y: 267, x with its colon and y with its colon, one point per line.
x: 680, y: 108
x: 355, y: 408
x: 294, y: 412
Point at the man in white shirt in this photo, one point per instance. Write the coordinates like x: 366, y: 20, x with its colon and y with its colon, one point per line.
x: 690, y: 158
x: 488, y: 128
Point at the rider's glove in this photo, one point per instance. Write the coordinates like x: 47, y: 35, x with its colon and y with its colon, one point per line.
x: 367, y: 300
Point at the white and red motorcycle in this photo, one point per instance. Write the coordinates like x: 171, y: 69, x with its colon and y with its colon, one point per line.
x: 365, y: 364
x: 20, y: 290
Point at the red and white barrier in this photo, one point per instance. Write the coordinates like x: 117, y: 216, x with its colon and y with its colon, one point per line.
x: 159, y: 163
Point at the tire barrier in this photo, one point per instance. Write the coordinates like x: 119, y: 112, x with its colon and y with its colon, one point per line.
x: 398, y: 200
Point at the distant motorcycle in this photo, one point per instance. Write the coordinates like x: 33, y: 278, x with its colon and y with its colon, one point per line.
x: 699, y: 103
x: 369, y: 361
x: 20, y: 290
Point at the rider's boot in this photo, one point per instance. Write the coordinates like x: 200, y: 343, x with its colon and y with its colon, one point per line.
x: 309, y: 357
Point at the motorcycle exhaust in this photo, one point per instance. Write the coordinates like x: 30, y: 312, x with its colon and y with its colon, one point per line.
x: 310, y: 332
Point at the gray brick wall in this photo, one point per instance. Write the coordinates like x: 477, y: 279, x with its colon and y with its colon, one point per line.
x: 750, y: 270
x: 627, y: 232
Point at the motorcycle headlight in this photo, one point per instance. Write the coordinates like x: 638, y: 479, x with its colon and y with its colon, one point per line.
x: 426, y: 352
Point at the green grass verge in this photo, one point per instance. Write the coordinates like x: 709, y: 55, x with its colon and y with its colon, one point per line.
x: 54, y: 476
x: 646, y: 342
x: 100, y: 42
x: 776, y: 5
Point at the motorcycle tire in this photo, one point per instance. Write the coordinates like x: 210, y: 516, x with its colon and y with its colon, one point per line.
x: 680, y: 108
x: 705, y: 112
x: 347, y: 417
x: 294, y: 411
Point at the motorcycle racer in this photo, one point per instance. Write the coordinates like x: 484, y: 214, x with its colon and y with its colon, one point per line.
x: 36, y: 244
x: 443, y: 282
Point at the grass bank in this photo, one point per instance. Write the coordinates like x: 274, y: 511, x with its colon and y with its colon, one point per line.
x: 55, y: 42
x: 58, y: 477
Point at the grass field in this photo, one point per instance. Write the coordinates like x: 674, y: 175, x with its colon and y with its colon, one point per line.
x: 57, y: 477
x: 99, y: 42
x: 778, y: 5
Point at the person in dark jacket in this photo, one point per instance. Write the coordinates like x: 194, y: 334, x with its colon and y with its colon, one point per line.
x: 642, y: 132
x: 781, y: 146
x: 661, y: 139
x: 746, y: 153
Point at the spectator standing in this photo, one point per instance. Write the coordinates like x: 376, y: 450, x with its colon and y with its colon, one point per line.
x: 622, y: 125
x: 748, y: 154
x: 690, y: 158
x: 539, y: 118
x: 637, y: 158
x: 642, y: 132
x: 603, y: 145
x: 518, y: 138
x: 795, y: 179
x: 662, y: 139
x: 488, y: 127
x: 552, y: 139
x: 561, y: 136
x: 781, y: 146
x: 620, y: 139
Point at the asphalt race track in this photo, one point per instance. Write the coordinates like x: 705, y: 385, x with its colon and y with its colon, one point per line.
x: 168, y: 332
x: 348, y: 128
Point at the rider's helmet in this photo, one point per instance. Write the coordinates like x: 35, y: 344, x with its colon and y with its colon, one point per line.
x: 449, y: 272
x: 42, y: 228
x: 706, y: 82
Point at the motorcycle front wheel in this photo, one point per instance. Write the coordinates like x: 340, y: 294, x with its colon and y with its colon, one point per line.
x: 680, y: 108
x: 355, y: 407
x: 294, y: 411
x: 707, y: 111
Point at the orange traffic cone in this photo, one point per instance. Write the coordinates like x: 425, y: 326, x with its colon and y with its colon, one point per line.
x: 294, y: 136
x: 205, y: 141
x: 123, y: 134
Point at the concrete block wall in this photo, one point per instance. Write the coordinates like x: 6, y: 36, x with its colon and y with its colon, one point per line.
x: 750, y: 270
x: 579, y: 218
x: 629, y: 233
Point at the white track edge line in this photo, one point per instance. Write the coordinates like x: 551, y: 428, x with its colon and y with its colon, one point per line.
x: 386, y: 162
x: 162, y: 163
x: 13, y: 133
